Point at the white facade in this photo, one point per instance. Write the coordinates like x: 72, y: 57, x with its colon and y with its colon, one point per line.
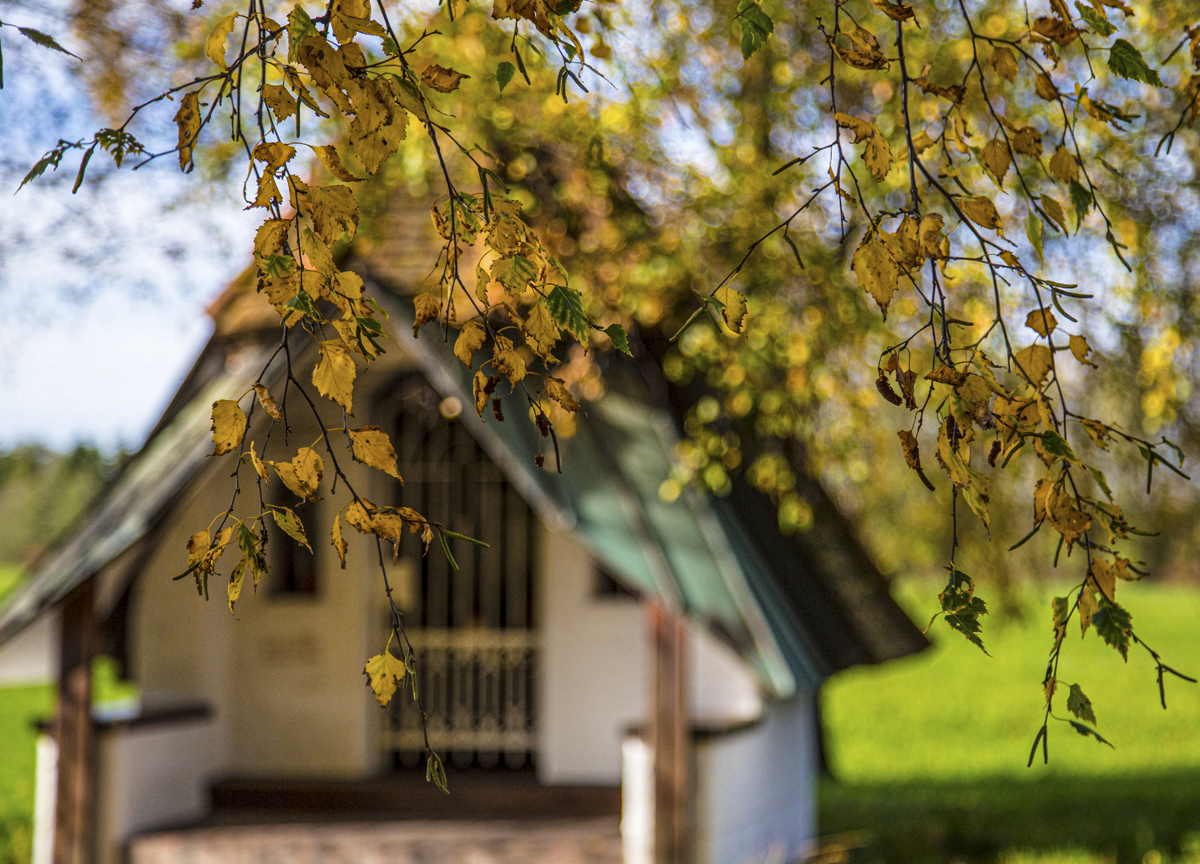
x: 31, y: 657
x: 281, y: 680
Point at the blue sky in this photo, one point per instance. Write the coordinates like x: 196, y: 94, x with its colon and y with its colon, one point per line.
x: 104, y: 292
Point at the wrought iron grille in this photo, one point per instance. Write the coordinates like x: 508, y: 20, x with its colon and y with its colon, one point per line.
x: 472, y: 629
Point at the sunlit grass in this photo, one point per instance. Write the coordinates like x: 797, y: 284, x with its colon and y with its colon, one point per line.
x: 930, y: 753
x: 955, y: 713
x: 19, y: 708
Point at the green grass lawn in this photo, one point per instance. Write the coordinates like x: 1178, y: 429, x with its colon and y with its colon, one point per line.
x: 930, y: 752
x: 19, y: 707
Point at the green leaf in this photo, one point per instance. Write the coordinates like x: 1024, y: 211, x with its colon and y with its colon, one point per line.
x: 756, y: 26
x: 291, y: 525
x: 1127, y: 61
x: 617, y: 334
x: 1095, y: 20
x: 50, y: 160
x: 1033, y: 231
x: 299, y: 27
x: 302, y: 303
x: 1080, y: 705
x: 1102, y: 482
x: 962, y: 608
x: 1114, y: 625
x: 37, y: 37
x: 1056, y: 446
x: 1088, y: 732
x: 1061, y: 608
x: 1081, y: 198
x: 504, y: 74
x: 566, y: 305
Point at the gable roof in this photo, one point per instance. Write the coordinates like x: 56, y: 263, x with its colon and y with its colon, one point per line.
x: 797, y: 608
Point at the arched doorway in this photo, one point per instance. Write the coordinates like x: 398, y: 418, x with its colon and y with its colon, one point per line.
x: 473, y: 629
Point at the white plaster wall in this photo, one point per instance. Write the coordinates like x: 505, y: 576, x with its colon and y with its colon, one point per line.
x: 283, y: 674
x: 592, y: 682
x: 756, y: 789
x: 722, y: 689
x: 31, y: 657
x: 151, y: 777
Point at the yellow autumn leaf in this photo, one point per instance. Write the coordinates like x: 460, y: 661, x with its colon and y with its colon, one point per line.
x: 441, y: 79
x: 268, y: 240
x: 333, y: 164
x: 290, y: 524
x: 310, y: 467
x: 972, y: 484
x: 279, y: 100
x: 470, y: 339
x: 275, y: 153
x: 358, y: 516
x: 933, y: 245
x: 557, y: 390
x: 1044, y: 87
x: 912, y: 455
x: 228, y: 425
x: 259, y: 468
x: 1098, y: 432
x: 1054, y: 211
x: 877, y: 153
x: 921, y: 142
x: 214, y: 45
x: 509, y: 364
x: 1081, y: 349
x: 426, y: 307
x: 334, y: 211
x: 982, y: 212
x: 336, y: 540
x: 877, y: 271
x: 479, y: 385
x: 187, y: 119
x: 974, y: 390
x: 946, y: 375
x: 1028, y: 140
x: 1004, y: 62
x: 997, y: 159
x: 541, y: 333
x: 268, y: 191
x: 286, y: 472
x: 1034, y: 363
x: 235, y: 581
x: 197, y: 546
x: 1104, y: 574
x: 371, y: 446
x: 1071, y: 522
x: 733, y: 308
x: 1063, y: 165
x: 1042, y: 321
x: 384, y: 672
x: 895, y: 11
x: 334, y: 374
x: 208, y: 561
x: 268, y: 402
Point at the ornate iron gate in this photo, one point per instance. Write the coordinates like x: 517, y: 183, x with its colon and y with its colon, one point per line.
x: 472, y: 629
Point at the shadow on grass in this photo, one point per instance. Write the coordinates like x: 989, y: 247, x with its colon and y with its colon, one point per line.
x: 1139, y: 819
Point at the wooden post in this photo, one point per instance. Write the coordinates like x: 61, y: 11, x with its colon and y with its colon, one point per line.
x: 73, y: 731
x: 669, y: 737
